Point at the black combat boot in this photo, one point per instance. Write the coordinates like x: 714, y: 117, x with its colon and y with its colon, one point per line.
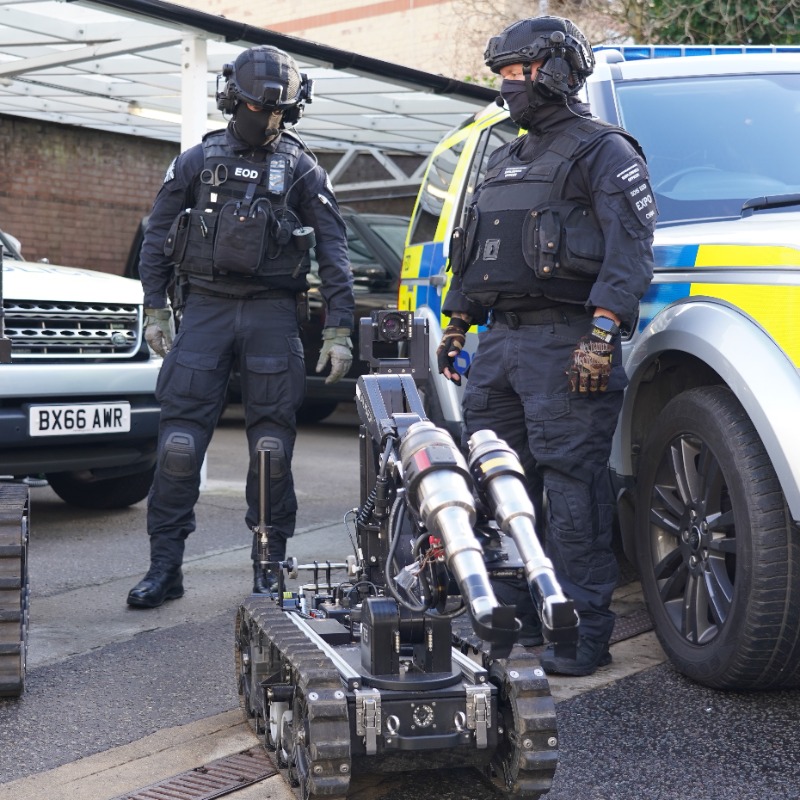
x: 590, y: 655
x: 161, y: 583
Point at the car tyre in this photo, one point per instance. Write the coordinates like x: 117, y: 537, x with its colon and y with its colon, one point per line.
x: 717, y: 551
x: 82, y: 489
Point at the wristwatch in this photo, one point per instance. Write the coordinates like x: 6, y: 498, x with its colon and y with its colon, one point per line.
x: 604, y: 329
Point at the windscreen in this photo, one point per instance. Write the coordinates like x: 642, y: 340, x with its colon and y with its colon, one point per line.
x: 393, y: 233
x: 712, y: 143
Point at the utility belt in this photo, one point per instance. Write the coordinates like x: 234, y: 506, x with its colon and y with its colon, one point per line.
x: 257, y: 294
x: 559, y: 314
x: 300, y: 298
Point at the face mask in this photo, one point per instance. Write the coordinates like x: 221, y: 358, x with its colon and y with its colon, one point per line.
x: 519, y: 104
x: 516, y: 98
x: 257, y: 128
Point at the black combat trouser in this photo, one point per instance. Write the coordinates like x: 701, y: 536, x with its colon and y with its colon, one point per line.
x: 518, y: 388
x: 262, y: 335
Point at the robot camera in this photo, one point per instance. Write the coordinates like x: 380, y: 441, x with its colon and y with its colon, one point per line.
x: 394, y: 326
x: 395, y: 342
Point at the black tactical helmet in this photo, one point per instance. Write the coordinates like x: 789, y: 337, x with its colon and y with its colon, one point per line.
x: 268, y: 77
x: 543, y: 39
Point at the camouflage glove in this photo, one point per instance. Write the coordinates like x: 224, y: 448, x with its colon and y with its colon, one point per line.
x: 338, y: 349
x: 591, y: 361
x: 159, y: 330
x: 452, y: 342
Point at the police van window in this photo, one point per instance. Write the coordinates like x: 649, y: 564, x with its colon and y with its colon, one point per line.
x: 490, y: 140
x: 433, y: 194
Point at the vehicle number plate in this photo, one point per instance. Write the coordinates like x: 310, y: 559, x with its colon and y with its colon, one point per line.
x: 79, y: 418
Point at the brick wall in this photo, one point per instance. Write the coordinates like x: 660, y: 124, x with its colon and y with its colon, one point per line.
x: 75, y: 196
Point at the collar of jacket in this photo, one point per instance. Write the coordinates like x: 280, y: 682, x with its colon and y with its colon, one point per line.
x: 551, y: 116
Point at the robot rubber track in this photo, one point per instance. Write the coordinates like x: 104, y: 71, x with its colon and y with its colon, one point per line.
x: 14, y: 588
x: 271, y: 653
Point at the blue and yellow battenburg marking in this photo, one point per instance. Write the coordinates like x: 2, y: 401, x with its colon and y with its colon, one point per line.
x: 420, y: 263
x: 774, y: 305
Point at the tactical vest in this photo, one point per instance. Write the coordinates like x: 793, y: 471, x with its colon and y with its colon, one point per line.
x: 522, y: 237
x: 241, y: 226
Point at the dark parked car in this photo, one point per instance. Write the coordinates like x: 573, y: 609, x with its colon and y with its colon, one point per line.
x: 376, y: 244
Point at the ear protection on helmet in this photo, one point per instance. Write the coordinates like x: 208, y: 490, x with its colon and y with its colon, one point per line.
x: 306, y: 94
x: 226, y: 98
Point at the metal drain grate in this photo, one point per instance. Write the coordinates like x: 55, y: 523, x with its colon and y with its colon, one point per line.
x: 215, y: 779
x: 630, y: 625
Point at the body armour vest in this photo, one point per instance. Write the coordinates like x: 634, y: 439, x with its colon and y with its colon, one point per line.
x: 241, y: 226
x: 521, y: 236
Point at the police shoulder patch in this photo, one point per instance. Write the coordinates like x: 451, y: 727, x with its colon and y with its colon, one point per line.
x: 633, y: 181
x: 170, y: 174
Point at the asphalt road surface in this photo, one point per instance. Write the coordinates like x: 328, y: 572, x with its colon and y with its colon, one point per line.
x: 117, y: 699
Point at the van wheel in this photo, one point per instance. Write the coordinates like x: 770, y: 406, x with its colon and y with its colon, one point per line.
x: 82, y: 489
x: 717, y: 551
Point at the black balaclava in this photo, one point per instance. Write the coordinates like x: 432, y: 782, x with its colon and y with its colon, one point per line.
x: 525, y: 97
x: 257, y: 128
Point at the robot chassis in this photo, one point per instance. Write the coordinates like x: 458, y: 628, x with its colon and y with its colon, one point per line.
x: 410, y: 663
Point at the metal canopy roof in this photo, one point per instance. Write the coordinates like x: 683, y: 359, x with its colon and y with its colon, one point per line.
x: 149, y: 68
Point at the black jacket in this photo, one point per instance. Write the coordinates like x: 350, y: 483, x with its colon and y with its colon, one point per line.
x: 593, y: 180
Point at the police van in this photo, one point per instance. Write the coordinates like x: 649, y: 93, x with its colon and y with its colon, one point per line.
x: 706, y: 457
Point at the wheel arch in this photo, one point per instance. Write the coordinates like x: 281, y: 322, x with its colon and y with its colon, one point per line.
x: 704, y: 342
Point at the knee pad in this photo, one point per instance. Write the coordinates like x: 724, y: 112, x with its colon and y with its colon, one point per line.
x: 179, y: 455
x: 278, y: 467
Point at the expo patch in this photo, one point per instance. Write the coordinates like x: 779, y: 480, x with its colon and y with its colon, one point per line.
x: 632, y: 179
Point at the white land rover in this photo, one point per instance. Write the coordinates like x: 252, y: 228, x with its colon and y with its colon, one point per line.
x: 77, y: 399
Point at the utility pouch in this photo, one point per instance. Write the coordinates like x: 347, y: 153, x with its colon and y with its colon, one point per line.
x: 193, y: 250
x: 563, y: 240
x: 175, y: 243
x: 470, y: 232
x: 541, y: 242
x: 456, y: 264
x: 584, y: 245
x: 303, y: 310
x: 241, y: 238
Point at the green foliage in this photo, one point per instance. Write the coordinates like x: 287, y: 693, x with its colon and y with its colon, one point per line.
x: 723, y: 21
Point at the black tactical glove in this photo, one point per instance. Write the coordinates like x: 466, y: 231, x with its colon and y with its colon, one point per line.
x: 591, y: 360
x: 452, y: 341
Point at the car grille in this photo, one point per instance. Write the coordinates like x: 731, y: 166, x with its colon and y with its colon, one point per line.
x: 54, y: 330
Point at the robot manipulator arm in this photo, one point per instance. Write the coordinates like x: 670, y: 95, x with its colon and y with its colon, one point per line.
x: 499, y: 477
x: 422, y: 471
x: 438, y: 490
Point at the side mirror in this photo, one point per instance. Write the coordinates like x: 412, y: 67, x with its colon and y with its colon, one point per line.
x: 370, y: 274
